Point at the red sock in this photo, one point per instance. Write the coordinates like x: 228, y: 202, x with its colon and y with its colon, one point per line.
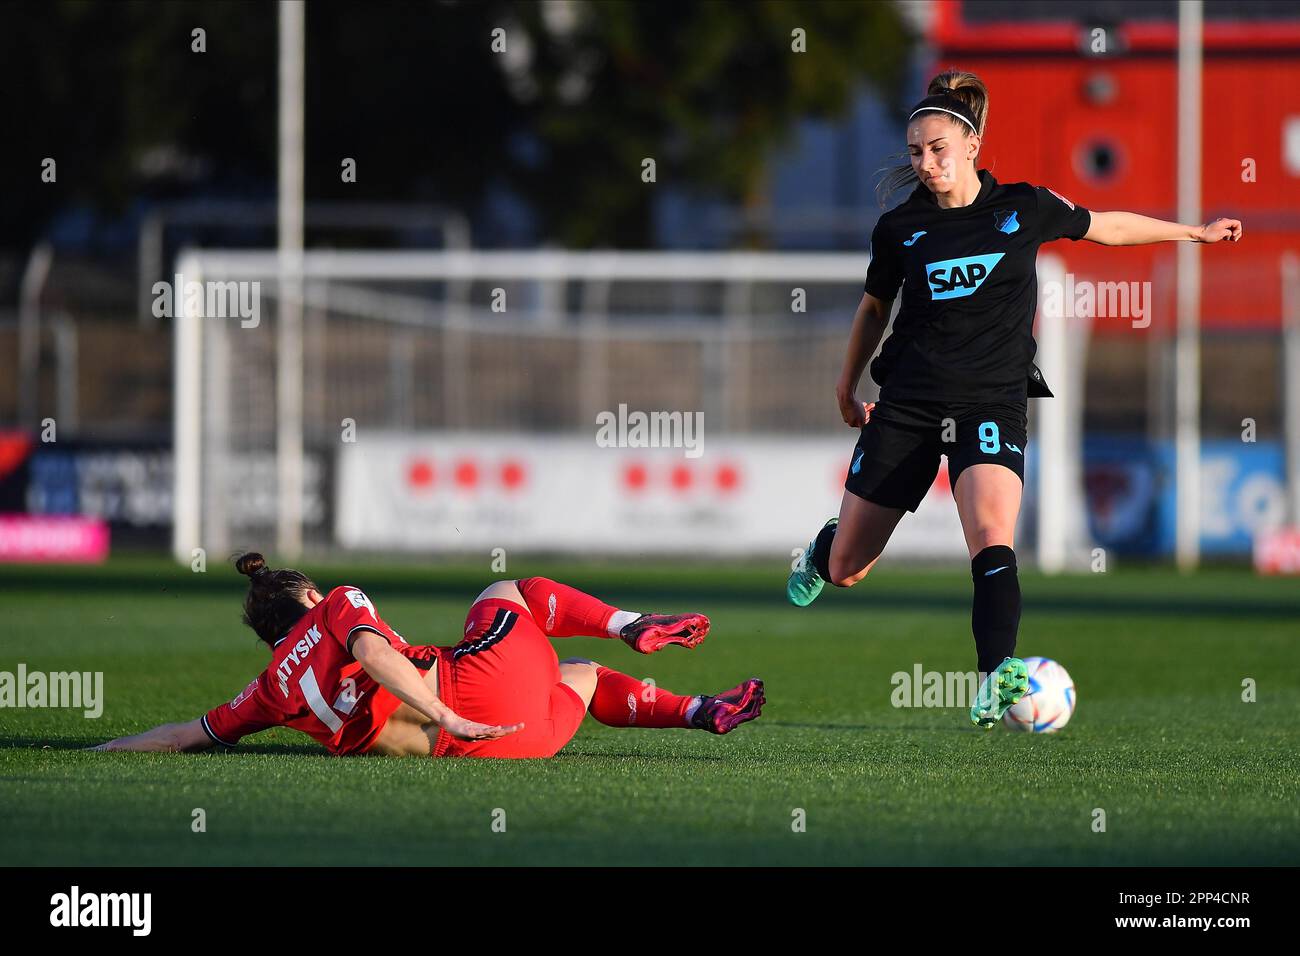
x: 622, y: 701
x: 562, y: 611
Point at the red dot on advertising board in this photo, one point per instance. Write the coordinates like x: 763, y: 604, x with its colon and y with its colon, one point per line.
x: 634, y: 477
x: 512, y: 474
x: 466, y: 474
x: 419, y: 474
x: 727, y: 477
x: 681, y: 477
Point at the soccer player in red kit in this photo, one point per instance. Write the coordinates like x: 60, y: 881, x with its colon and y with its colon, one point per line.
x: 341, y: 675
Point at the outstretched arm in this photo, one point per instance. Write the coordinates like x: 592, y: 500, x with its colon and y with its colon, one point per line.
x: 1129, y: 229
x: 167, y: 738
x: 399, y: 676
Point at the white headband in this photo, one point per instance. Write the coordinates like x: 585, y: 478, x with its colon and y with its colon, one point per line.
x: 949, y: 112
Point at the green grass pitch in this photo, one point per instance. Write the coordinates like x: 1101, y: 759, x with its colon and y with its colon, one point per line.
x: 1186, y: 772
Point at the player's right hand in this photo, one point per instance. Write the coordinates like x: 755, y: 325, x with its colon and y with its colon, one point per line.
x: 458, y: 726
x: 1220, y: 230
x: 854, y: 412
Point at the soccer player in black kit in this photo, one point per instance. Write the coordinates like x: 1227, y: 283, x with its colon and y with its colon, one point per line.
x: 957, y: 371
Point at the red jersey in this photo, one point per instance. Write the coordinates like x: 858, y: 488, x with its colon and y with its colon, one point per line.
x: 314, y: 684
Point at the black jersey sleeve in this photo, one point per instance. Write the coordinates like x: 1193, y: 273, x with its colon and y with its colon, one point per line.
x: 885, y: 271
x: 1058, y: 218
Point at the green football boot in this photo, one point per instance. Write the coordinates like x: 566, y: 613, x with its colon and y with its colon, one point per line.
x: 1002, y: 688
x: 804, y: 583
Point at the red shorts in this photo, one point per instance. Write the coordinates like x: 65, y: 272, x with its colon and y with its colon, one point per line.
x: 506, y: 672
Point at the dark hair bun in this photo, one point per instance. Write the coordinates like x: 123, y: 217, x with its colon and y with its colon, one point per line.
x: 968, y: 88
x: 250, y: 563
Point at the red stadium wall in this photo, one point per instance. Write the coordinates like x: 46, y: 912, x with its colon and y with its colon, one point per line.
x: 1055, y: 111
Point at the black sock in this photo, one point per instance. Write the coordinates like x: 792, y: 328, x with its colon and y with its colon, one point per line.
x: 821, y: 555
x: 995, y: 612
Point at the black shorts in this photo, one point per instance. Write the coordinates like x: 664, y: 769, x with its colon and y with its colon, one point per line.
x: 897, y: 454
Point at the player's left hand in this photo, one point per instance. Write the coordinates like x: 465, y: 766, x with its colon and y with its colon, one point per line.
x: 1228, y: 230
x: 458, y: 726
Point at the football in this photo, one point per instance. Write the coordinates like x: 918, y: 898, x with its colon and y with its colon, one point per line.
x: 1050, y: 702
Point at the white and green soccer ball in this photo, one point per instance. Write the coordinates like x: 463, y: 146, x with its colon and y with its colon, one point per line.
x: 1050, y: 701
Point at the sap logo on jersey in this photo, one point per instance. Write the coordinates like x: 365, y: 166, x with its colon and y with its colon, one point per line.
x: 954, y: 278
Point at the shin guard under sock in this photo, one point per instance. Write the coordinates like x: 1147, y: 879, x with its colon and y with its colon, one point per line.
x: 995, y: 611
x: 622, y: 701
x: 562, y: 611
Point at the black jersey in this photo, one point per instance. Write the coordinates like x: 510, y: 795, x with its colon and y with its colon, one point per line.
x: 964, y: 330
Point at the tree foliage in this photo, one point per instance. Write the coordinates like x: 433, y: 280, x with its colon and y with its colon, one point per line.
x: 563, y: 117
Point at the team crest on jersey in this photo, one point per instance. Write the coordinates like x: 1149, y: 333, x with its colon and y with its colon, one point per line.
x: 244, y: 694
x: 1005, y: 221
x: 957, y: 278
